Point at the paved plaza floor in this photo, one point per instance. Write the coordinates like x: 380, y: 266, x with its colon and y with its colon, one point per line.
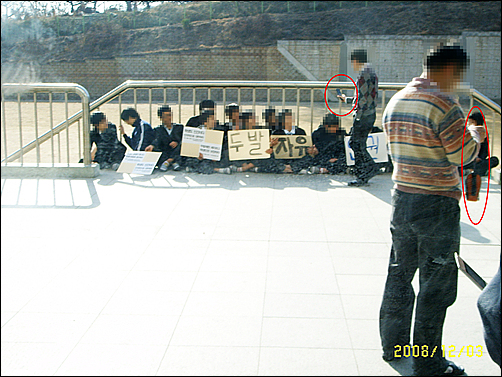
x: 188, y: 274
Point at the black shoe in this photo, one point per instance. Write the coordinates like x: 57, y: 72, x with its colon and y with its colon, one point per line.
x: 358, y: 182
x: 452, y: 369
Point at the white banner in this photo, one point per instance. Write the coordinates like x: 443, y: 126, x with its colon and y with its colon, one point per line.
x: 198, y: 140
x: 376, y: 146
x: 139, y: 162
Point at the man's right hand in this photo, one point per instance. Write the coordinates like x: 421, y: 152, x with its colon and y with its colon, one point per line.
x: 342, y: 97
x: 149, y: 148
x: 121, y: 127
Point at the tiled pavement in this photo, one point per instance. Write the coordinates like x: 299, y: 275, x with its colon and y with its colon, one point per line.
x: 186, y: 274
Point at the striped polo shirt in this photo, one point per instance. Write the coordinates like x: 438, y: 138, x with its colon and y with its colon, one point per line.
x: 425, y: 128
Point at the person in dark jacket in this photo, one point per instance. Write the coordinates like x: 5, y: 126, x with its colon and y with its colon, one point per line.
x: 480, y: 164
x: 328, y: 147
x: 143, y: 134
x: 200, y: 164
x: 205, y: 105
x: 108, y: 152
x: 285, y: 126
x: 167, y: 140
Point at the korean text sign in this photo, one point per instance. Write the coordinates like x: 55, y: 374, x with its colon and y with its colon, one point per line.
x: 139, y: 162
x: 292, y: 146
x: 198, y: 140
x: 248, y: 144
x: 376, y: 146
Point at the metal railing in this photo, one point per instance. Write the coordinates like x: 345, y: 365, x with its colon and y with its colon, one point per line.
x: 223, y: 85
x: 21, y: 89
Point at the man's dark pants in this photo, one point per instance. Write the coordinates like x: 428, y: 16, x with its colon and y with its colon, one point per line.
x: 364, y: 163
x: 425, y: 235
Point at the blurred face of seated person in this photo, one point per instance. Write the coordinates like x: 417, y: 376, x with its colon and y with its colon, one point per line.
x: 331, y: 128
x: 207, y: 120
x: 166, y: 119
x: 288, y: 122
x: 102, y: 125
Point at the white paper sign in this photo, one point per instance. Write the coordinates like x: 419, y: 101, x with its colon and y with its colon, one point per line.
x: 376, y: 146
x: 139, y: 162
x: 198, y: 140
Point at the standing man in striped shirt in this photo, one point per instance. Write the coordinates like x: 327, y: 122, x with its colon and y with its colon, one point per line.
x: 424, y: 124
x: 364, y: 117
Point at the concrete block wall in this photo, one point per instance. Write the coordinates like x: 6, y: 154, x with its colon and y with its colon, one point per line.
x: 396, y: 59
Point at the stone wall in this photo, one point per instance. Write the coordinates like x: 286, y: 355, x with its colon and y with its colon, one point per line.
x: 397, y: 59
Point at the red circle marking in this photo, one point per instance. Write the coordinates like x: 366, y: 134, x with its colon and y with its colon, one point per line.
x: 462, y: 168
x: 326, y: 101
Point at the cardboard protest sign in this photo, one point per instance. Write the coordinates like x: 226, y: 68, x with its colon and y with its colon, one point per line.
x: 376, y: 146
x: 248, y: 144
x: 139, y: 162
x: 292, y: 146
x: 198, y: 140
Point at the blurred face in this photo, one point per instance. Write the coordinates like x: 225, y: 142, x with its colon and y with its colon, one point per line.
x: 251, y: 123
x: 130, y: 121
x: 166, y: 118
x: 210, y: 122
x: 288, y: 122
x: 103, y: 125
x: 331, y: 128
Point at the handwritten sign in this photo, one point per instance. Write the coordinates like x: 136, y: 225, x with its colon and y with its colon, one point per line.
x: 292, y: 146
x: 198, y: 140
x: 139, y: 162
x: 248, y: 144
x: 376, y: 146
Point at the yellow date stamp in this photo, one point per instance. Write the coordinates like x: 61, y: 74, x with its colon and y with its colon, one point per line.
x: 426, y: 351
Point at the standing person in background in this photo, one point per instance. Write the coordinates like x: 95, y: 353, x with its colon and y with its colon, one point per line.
x: 167, y: 140
x: 424, y: 124
x: 364, y: 117
x: 143, y: 134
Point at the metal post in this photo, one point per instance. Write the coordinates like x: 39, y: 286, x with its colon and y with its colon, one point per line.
x: 165, y: 96
x: 4, y: 127
x: 283, y: 98
x: 79, y: 139
x: 20, y: 127
x: 268, y: 97
x: 209, y: 94
x: 135, y: 98
x: 51, y: 119
x: 297, y: 107
x: 311, y: 109
x: 120, y: 113
x: 179, y: 105
x: 193, y: 97
x: 150, y: 103
x: 224, y: 98
x: 254, y: 100
x: 67, y: 129
x: 239, y: 97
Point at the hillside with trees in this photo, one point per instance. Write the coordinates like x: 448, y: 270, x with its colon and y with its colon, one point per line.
x: 184, y: 26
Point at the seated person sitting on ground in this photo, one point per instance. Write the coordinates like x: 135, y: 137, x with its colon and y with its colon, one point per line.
x: 201, y: 165
x: 204, y: 105
x: 143, y: 134
x: 480, y: 165
x: 167, y: 140
x: 270, y: 119
x: 286, y: 126
x: 232, y: 113
x: 108, y: 151
x: 247, y: 121
x: 328, y: 147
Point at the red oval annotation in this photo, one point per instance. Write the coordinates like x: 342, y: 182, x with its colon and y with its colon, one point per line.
x: 326, y: 100
x: 462, y: 168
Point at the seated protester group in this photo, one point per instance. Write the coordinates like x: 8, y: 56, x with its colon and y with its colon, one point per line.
x: 480, y: 165
x: 201, y: 165
x: 143, y: 134
x: 108, y: 151
x: 328, y: 147
x: 167, y: 140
